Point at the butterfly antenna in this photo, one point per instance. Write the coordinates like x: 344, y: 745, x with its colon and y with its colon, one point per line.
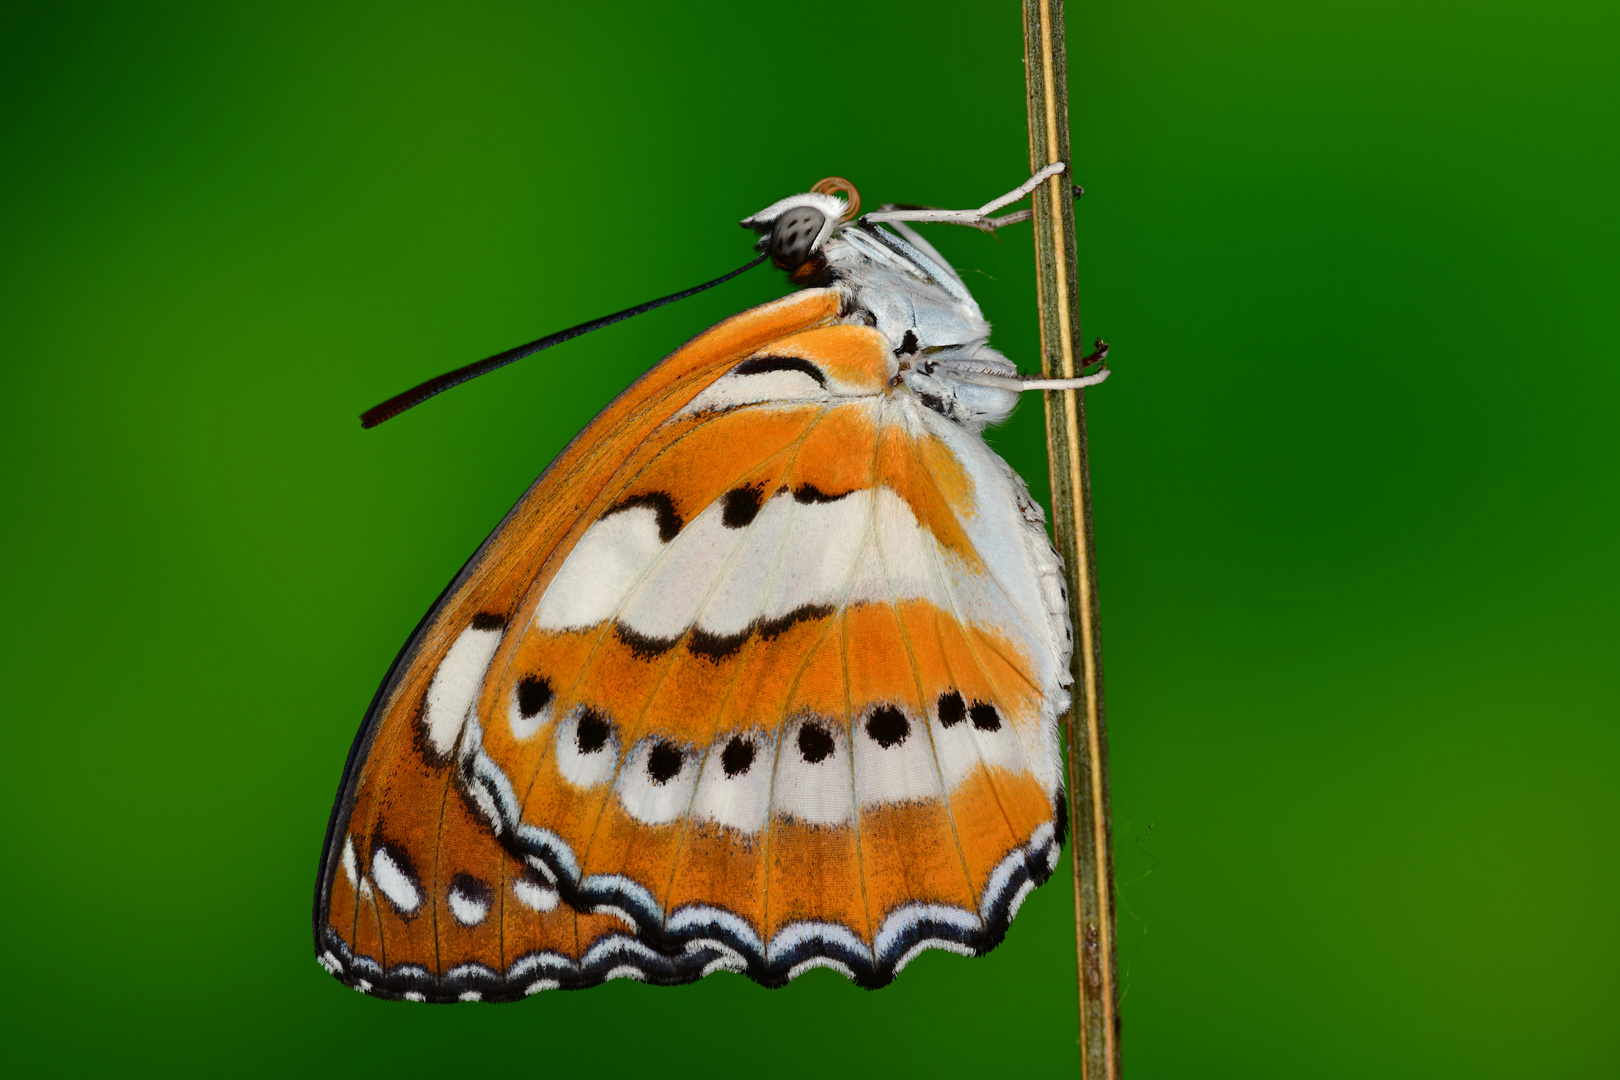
x: 418, y: 394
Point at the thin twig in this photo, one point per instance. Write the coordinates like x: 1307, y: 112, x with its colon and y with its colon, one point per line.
x: 1046, y: 76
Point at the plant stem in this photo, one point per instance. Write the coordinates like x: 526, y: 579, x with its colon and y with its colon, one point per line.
x: 1046, y: 77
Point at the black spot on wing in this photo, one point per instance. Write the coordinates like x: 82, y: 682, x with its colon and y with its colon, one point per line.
x: 935, y: 402
x: 908, y: 344
x: 534, y: 879
x: 489, y: 620
x: 715, y: 646
x: 470, y: 888
x: 533, y: 694
x: 888, y: 726
x: 952, y: 709
x: 815, y: 743
x: 739, y: 506
x: 591, y: 732
x: 669, y: 522
x: 720, y: 646
x: 770, y: 628
x: 738, y: 756
x: 664, y: 762
x: 985, y: 717
x: 809, y: 493
x: 760, y: 365
x: 641, y: 646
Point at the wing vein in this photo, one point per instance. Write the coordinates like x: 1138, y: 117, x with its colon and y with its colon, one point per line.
x: 731, y: 689
x: 922, y: 705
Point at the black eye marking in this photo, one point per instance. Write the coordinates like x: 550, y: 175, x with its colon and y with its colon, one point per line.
x: 664, y: 762
x: 739, y: 506
x: 738, y: 756
x: 760, y: 365
x: 809, y: 493
x: 908, y: 344
x: 985, y: 717
x: 770, y: 628
x: 888, y: 726
x: 815, y: 743
x: 591, y: 733
x: 533, y: 694
x: 952, y: 710
x: 489, y: 620
x: 669, y: 522
x: 641, y: 646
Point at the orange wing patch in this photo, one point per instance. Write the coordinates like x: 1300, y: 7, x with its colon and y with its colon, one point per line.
x: 856, y: 359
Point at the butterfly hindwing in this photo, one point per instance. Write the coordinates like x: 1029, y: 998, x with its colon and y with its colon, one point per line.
x: 761, y: 675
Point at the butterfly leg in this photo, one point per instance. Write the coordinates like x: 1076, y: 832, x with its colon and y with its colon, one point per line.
x: 1021, y: 383
x: 979, y: 218
x: 1023, y: 189
x: 1098, y: 355
x: 991, y: 224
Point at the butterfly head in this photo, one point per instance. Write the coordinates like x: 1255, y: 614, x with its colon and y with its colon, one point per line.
x: 795, y: 229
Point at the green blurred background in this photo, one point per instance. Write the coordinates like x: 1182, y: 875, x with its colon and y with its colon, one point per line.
x: 1355, y: 481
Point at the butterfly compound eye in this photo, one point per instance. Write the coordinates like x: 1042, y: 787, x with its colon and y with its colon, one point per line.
x: 793, y: 236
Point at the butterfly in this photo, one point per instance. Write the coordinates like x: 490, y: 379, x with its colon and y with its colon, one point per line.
x: 762, y: 675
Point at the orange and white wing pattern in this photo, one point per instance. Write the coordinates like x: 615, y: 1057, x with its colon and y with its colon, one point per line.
x: 762, y: 675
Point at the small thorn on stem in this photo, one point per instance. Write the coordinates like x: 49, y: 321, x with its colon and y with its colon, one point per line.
x: 1098, y: 354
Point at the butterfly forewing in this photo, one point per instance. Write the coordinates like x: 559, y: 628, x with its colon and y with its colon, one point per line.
x: 403, y: 808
